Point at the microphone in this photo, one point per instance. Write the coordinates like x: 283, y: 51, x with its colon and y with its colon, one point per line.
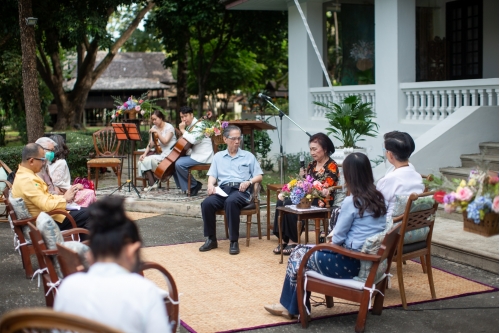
x: 261, y: 95
x: 302, y: 164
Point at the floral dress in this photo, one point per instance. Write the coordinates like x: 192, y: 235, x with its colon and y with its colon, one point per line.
x: 327, y: 174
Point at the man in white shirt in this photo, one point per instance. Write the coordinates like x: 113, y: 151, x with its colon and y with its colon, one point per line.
x: 403, y: 179
x: 110, y: 292
x: 201, y: 152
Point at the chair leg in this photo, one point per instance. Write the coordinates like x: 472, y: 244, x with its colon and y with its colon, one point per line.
x: 26, y: 260
x: 306, y: 231
x: 329, y: 301
x: 401, y: 284
x: 119, y: 174
x: 422, y: 262
x: 249, y: 226
x: 378, y: 303
x: 429, y: 275
x: 189, y: 184
x: 258, y: 224
x: 226, y: 227
x: 96, y: 178
x: 302, y: 308
x: 363, y: 311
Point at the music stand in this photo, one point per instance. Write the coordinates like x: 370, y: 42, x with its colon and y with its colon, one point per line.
x: 127, y: 132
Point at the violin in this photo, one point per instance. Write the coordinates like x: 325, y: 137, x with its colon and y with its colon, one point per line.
x: 166, y: 168
x: 155, y: 139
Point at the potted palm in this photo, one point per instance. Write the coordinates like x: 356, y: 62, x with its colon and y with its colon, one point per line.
x: 350, y: 121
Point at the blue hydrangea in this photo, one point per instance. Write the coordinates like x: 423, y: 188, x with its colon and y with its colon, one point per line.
x: 473, y: 212
x: 296, y: 196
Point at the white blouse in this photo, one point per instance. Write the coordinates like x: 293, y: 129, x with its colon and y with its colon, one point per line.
x: 59, y: 173
x: 167, y: 128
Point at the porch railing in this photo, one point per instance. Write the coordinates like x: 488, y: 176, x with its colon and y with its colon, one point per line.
x: 323, y: 94
x: 434, y: 101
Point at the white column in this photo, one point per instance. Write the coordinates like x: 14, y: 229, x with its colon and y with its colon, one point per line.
x: 394, y: 59
x: 304, y: 71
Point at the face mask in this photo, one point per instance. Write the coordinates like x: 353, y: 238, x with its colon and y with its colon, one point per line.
x: 49, y: 155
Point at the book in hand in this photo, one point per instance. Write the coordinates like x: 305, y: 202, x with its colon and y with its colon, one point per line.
x: 72, y: 206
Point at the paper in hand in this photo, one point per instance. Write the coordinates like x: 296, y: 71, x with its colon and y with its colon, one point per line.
x: 220, y: 192
x: 72, y: 206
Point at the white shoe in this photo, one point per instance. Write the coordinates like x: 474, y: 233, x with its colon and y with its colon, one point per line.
x: 278, y: 310
x: 150, y: 188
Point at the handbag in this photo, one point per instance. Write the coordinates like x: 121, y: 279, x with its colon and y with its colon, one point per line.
x: 88, y: 184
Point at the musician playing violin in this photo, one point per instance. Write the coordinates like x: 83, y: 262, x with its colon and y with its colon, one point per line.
x: 166, y: 139
x: 201, y: 152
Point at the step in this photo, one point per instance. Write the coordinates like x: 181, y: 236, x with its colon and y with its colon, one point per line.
x: 451, y: 242
x: 472, y: 160
x: 490, y: 148
x: 459, y: 173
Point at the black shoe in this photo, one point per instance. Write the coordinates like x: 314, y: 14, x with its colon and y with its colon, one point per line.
x: 209, y: 245
x: 196, y: 189
x: 234, y: 248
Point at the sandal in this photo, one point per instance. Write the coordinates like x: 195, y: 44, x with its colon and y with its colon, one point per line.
x: 277, y: 250
x: 288, y: 249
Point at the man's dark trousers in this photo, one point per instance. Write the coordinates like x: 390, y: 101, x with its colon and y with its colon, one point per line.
x: 232, y: 205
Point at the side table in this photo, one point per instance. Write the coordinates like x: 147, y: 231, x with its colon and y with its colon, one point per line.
x: 317, y: 214
x: 276, y: 188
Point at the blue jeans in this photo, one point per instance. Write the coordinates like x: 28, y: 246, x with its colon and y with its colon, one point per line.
x: 181, y: 172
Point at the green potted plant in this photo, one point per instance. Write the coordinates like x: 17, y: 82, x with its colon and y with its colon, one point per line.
x: 350, y: 121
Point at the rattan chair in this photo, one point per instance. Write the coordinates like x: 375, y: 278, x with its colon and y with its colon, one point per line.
x: 106, y: 148
x: 35, y: 320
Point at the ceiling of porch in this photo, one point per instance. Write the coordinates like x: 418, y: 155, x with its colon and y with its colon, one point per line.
x: 280, y: 4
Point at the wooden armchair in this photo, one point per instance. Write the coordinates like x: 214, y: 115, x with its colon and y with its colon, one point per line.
x: 47, y: 320
x: 414, y: 221
x: 4, y: 183
x: 199, y: 167
x: 171, y: 297
x: 106, y: 148
x: 69, y: 260
x: 46, y: 266
x: 252, y: 208
x: 24, y: 246
x: 349, y: 289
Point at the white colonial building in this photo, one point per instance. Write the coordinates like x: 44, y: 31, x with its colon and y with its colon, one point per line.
x: 435, y: 67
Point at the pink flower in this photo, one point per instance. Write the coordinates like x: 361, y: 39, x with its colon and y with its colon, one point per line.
x: 216, y: 131
x: 143, y: 112
x: 137, y: 108
x: 285, y: 188
x: 317, y: 183
x: 321, y: 203
x: 493, y: 180
x: 463, y: 194
x: 495, y: 204
x: 141, y: 101
x: 125, y: 105
x: 325, y: 192
x: 449, y: 208
x: 281, y: 196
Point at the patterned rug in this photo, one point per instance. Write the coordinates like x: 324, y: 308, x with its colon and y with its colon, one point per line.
x: 220, y: 292
x: 160, y: 194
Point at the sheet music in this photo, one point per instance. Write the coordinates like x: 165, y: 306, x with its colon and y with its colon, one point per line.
x: 220, y: 192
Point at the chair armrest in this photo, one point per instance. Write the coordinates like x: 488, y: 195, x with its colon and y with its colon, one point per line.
x: 20, y: 223
x: 75, y: 231
x: 50, y: 252
x: 9, y: 185
x: 65, y: 213
x: 398, y: 218
x: 7, y: 169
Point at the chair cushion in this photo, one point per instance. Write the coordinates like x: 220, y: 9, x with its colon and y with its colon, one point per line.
x: 251, y: 205
x: 21, y: 213
x: 416, y: 235
x: 349, y: 283
x: 81, y: 249
x: 104, y: 160
x: 414, y: 247
x: 417, y: 205
x: 51, y: 235
x: 3, y: 176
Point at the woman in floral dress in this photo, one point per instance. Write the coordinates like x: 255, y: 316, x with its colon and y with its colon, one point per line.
x: 323, y: 168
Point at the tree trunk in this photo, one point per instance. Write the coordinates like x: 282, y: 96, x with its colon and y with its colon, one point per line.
x: 182, y: 76
x: 34, y: 119
x: 201, y: 97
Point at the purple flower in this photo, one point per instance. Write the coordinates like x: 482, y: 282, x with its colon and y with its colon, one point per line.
x: 224, y: 124
x: 449, y: 198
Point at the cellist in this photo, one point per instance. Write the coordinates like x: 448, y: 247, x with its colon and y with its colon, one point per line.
x: 165, y: 133
x: 201, y: 152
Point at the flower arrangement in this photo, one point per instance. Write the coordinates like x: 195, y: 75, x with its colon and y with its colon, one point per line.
x: 141, y: 105
x: 308, y: 188
x: 210, y: 128
x: 477, y: 196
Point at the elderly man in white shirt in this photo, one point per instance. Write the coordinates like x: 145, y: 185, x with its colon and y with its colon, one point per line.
x: 403, y: 179
x: 201, y: 152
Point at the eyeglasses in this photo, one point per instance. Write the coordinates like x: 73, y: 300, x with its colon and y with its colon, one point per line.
x: 47, y: 149
x: 43, y: 159
x: 234, y: 138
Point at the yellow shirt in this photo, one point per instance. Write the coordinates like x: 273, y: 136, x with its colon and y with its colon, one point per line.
x: 35, y: 194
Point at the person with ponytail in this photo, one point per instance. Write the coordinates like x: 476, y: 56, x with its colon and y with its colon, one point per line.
x: 363, y: 214
x: 110, y: 292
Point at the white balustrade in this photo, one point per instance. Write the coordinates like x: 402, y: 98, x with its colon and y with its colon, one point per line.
x: 434, y: 101
x: 324, y: 95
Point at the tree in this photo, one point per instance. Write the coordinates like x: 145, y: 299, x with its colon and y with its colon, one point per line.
x: 78, y: 26
x: 34, y: 120
x: 182, y: 23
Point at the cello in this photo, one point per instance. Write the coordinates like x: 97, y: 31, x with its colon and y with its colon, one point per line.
x: 166, y: 168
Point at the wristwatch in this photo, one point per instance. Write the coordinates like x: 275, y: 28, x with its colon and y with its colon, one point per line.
x: 250, y: 182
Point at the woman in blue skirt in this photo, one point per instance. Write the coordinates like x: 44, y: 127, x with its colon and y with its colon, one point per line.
x: 362, y: 215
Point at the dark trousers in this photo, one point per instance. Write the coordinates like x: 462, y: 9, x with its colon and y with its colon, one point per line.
x: 81, y: 218
x: 232, y: 205
x: 289, y: 225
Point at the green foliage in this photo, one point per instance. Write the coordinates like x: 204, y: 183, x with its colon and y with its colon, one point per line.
x: 350, y: 120
x: 262, y: 143
x: 267, y: 164
x: 291, y: 162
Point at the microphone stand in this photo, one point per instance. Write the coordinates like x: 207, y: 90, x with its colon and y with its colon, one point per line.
x: 281, y: 114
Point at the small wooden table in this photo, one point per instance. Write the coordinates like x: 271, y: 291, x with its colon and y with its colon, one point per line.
x: 317, y: 214
x: 276, y: 188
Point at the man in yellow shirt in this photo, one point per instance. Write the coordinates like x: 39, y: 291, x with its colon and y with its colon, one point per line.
x: 34, y: 191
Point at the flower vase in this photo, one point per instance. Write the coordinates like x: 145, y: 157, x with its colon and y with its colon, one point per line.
x: 304, y: 203
x: 486, y: 227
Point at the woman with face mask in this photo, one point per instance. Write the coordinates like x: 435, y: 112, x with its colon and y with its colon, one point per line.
x: 403, y: 179
x: 60, y: 176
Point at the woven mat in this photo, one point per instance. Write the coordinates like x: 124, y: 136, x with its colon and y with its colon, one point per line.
x: 134, y: 216
x: 220, y: 292
x: 160, y: 194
